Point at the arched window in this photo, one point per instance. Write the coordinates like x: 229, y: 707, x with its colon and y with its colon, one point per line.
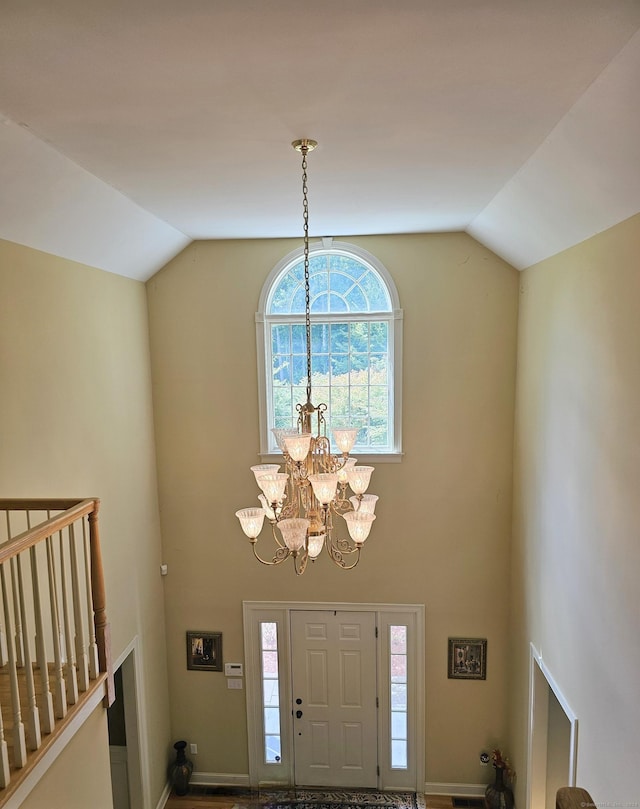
x: 355, y: 345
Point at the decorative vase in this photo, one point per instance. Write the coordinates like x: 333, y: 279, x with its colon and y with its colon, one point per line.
x: 180, y: 770
x: 498, y: 795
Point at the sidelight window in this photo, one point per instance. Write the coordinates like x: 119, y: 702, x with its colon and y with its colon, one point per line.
x: 270, y: 692
x: 398, y: 697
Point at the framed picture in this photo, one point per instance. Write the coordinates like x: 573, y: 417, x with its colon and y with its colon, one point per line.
x: 204, y: 651
x: 467, y: 658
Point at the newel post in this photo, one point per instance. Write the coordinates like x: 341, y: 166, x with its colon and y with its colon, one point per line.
x: 103, y: 630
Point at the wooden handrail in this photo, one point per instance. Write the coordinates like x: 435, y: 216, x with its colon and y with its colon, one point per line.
x: 40, y: 503
x: 74, y: 510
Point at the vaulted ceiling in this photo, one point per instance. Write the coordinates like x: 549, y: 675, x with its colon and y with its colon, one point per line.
x: 131, y: 127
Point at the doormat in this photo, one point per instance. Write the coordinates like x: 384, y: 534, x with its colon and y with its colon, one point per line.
x: 337, y: 799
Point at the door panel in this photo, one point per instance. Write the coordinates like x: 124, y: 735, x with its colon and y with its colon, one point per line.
x: 319, y: 740
x: 317, y: 678
x: 352, y: 745
x: 334, y: 676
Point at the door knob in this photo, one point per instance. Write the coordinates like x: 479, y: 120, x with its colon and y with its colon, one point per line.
x: 298, y: 714
x: 298, y: 701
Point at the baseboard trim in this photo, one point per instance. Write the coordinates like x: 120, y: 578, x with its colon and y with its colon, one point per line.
x: 164, y: 797
x: 456, y: 790
x: 222, y: 779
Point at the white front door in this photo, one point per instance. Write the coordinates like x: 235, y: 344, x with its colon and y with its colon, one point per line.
x: 334, y: 698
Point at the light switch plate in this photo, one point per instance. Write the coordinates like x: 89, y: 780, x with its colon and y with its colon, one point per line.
x: 234, y: 682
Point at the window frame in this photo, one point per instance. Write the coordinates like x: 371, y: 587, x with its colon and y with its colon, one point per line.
x: 394, y: 317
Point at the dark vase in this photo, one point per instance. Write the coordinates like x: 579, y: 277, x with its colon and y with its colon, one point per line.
x: 180, y: 770
x: 498, y: 795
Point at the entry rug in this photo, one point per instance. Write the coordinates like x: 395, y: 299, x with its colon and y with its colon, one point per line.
x: 338, y: 799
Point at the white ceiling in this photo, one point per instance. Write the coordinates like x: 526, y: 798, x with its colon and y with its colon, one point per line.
x: 134, y: 126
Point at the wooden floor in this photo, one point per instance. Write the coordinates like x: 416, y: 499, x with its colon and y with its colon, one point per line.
x: 240, y: 801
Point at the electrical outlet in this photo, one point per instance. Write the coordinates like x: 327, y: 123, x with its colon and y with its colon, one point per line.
x: 193, y: 749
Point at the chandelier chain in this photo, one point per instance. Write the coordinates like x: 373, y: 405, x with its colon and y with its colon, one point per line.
x: 307, y: 294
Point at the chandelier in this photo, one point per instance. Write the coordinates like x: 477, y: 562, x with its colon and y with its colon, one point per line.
x: 308, y: 505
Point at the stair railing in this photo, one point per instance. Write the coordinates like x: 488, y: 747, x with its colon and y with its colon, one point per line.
x: 54, y: 633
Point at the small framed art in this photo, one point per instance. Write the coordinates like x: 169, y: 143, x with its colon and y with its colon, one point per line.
x: 204, y: 651
x: 467, y: 659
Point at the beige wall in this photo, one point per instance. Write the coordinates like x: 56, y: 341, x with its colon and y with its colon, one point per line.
x: 76, y: 420
x: 75, y: 780
x: 576, y: 555
x: 444, y: 519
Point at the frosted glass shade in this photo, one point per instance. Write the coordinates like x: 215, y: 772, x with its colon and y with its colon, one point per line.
x: 280, y: 433
x: 269, y: 512
x: 315, y: 546
x: 251, y: 520
x: 366, y: 504
x: 298, y: 445
x: 359, y: 525
x: 294, y: 532
x: 345, y: 439
x: 264, y: 469
x: 342, y: 473
x: 359, y: 477
x: 273, y: 486
x: 324, y: 486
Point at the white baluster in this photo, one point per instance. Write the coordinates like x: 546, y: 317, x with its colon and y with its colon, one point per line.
x: 16, y: 610
x: 5, y: 774
x: 59, y: 696
x: 82, y: 664
x: 70, y: 669
x: 33, y: 715
x: 18, y: 637
x: 4, y: 657
x: 19, y: 744
x: 46, y: 700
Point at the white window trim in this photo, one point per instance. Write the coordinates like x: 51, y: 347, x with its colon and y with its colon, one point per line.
x: 412, y: 615
x: 395, y: 337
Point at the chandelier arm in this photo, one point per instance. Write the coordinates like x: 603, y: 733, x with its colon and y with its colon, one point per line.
x: 275, y: 536
x: 337, y: 557
x: 301, y: 566
x: 287, y: 511
x: 341, y: 503
x: 280, y: 555
x: 345, y: 546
